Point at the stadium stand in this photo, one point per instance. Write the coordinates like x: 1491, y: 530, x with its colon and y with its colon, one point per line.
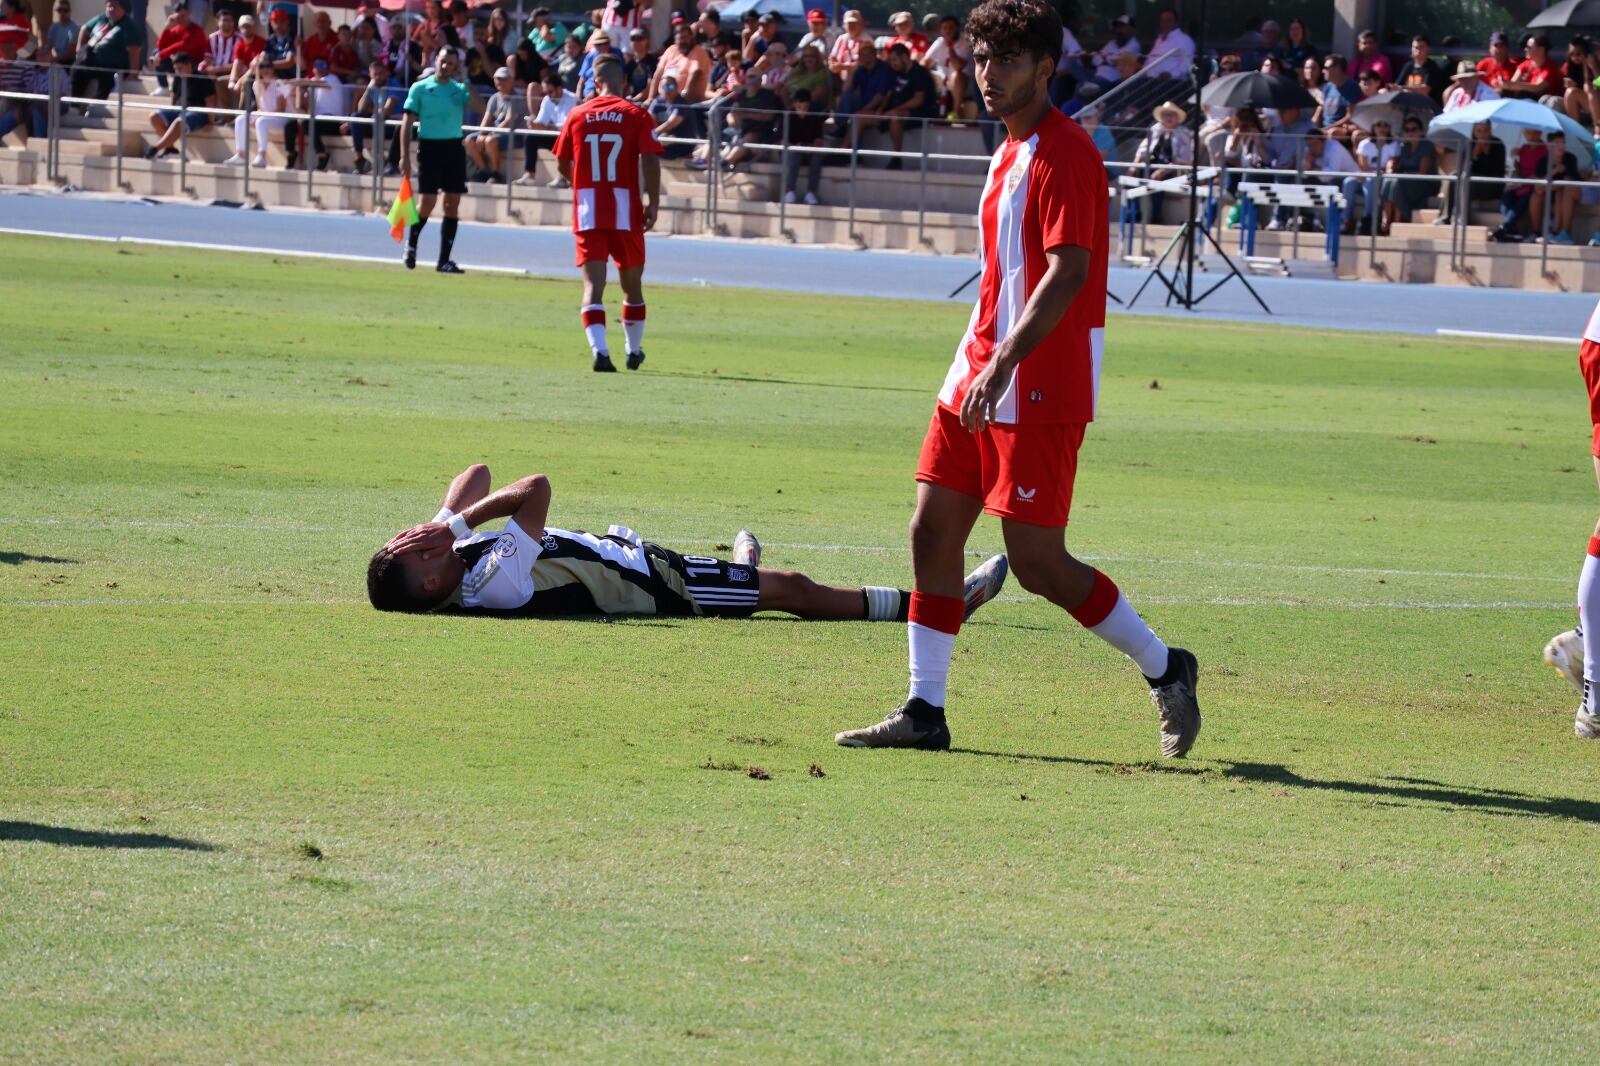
x: 919, y: 198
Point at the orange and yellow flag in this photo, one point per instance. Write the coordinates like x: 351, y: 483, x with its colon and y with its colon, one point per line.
x: 404, y: 211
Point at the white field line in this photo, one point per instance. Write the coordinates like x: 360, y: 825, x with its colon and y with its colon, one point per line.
x: 1531, y: 338
x: 251, y: 250
x: 847, y: 549
x: 1161, y: 601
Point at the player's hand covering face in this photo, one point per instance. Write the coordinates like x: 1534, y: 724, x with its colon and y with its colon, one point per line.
x: 421, y: 538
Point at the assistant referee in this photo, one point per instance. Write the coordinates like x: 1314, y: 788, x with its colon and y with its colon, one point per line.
x: 437, y: 105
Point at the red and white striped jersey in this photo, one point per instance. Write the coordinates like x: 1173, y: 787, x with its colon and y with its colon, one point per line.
x: 1045, y: 192
x: 223, y: 46
x: 1592, y: 331
x: 603, y: 139
x: 631, y: 19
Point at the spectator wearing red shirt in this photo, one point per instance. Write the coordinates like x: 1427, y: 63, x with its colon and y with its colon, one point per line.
x: 1368, y: 57
x: 319, y: 45
x: 906, y: 33
x: 1537, y: 75
x: 12, y: 14
x: 343, y: 60
x: 251, y: 44
x: 1499, y: 66
x: 180, y: 35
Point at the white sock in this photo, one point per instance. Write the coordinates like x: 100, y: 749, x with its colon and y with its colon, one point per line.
x: 930, y: 662
x: 883, y: 604
x: 633, y: 327
x: 1589, y: 625
x: 594, y: 327
x: 1124, y: 630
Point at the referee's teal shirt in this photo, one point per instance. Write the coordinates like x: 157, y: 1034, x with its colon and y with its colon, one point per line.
x: 439, y: 107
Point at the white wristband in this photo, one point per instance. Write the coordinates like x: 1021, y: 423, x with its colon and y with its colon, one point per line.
x: 444, y: 515
x: 458, y: 527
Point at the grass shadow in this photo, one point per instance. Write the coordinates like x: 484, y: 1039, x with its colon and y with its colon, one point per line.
x: 18, y: 558
x: 38, y: 833
x: 1392, y: 791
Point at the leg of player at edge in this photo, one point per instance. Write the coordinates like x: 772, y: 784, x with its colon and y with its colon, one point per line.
x: 1575, y: 654
x: 594, y: 314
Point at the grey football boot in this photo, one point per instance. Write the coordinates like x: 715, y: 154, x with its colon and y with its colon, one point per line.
x: 1176, y: 703
x: 914, y: 724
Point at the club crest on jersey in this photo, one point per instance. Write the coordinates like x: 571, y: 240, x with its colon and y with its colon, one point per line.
x: 738, y: 573
x: 505, y: 547
x: 1014, y: 175
x: 1035, y: 396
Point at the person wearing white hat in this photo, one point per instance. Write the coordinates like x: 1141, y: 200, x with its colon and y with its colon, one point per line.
x: 505, y: 111
x: 1165, y: 151
x: 906, y: 33
x: 1467, y: 87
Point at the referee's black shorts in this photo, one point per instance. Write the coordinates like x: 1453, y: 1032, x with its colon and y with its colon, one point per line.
x: 441, y: 166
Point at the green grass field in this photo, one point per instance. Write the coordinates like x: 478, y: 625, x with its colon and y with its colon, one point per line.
x: 244, y: 817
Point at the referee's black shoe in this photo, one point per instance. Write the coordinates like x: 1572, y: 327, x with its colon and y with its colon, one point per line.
x: 449, y: 267
x: 411, y: 257
x: 635, y: 360
x: 603, y: 364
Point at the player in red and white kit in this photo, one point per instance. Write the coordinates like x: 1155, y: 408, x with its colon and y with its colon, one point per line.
x: 1575, y: 654
x: 1012, y: 413
x: 603, y: 146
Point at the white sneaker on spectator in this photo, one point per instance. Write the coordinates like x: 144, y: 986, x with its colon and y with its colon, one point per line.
x: 526, y: 179
x: 788, y: 197
x: 1275, y: 225
x: 811, y: 198
x: 559, y: 183
x: 259, y: 161
x: 234, y: 160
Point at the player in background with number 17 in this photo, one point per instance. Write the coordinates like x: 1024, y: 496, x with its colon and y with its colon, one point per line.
x: 604, y: 144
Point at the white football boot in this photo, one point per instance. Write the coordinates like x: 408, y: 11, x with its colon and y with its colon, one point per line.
x: 1564, y: 653
x: 746, y: 549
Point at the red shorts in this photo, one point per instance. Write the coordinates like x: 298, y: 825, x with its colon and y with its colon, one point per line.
x: 1019, y: 472
x: 1589, y: 363
x: 625, y: 247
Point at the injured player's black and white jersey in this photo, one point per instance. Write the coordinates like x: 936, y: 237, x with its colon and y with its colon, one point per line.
x: 570, y: 572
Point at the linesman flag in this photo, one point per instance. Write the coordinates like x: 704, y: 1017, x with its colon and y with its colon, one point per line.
x: 403, y: 213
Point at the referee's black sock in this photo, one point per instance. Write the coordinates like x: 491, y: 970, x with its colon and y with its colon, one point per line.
x: 447, y: 237
x: 416, y: 231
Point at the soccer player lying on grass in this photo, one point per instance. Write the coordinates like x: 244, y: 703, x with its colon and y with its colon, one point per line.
x: 1575, y: 654
x: 530, y: 568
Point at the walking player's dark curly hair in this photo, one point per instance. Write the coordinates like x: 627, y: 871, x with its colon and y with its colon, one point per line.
x: 1031, y: 26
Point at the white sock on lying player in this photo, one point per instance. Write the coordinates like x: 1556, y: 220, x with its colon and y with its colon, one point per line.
x: 594, y: 327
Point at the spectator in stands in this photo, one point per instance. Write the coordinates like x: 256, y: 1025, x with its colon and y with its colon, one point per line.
x: 674, y: 117
x: 505, y: 113
x: 756, y: 43
x: 912, y: 97
x: 1300, y: 47
x: 1373, y: 155
x: 1309, y: 75
x: 428, y: 33
x: 1467, y: 87
x: 13, y: 74
x: 1580, y: 91
x: 16, y: 13
x: 343, y: 61
x: 251, y: 44
x: 1527, y: 163
x: 773, y: 70
x: 383, y: 96
x: 1164, y: 153
x: 906, y: 33
x: 1337, y: 93
x: 755, y: 116
x: 1559, y: 165
x: 1089, y: 118
x: 318, y: 44
x: 686, y: 62
x: 805, y: 132
x: 62, y: 36
x: 818, y: 33
x: 1537, y: 75
x: 1420, y: 73
x: 1285, y: 137
x: 218, y: 61
x: 1107, y: 70
x: 1323, y: 161
x: 111, y: 41
x: 557, y: 104
x: 1499, y: 66
x: 600, y: 44
x: 811, y: 76
x: 640, y: 66
x: 499, y: 32
x: 280, y: 48
x: 1245, y: 149
x: 707, y: 28
x: 723, y: 59
x: 1486, y: 159
x: 846, y: 53
x: 1369, y: 57
x: 179, y: 35
x: 868, y: 89
x: 461, y: 33
x: 1266, y: 40
x: 269, y: 93
x: 321, y: 95
x: 528, y: 68
x: 29, y: 118
x: 1172, y: 53
x: 1417, y: 156
x: 189, y: 89
x: 570, y: 66
x: 949, y: 58
x: 1369, y: 85
x: 547, y: 35
x: 1274, y: 65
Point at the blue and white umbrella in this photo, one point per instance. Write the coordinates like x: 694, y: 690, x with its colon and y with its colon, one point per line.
x: 1508, y: 118
x: 793, y: 12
